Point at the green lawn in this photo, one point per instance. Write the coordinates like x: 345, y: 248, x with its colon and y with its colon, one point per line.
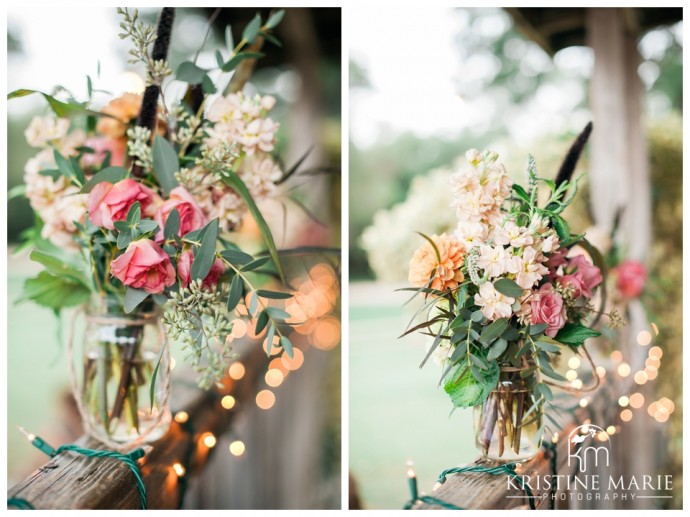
x: 397, y: 411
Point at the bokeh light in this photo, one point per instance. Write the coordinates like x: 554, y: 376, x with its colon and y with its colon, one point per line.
x: 228, y: 402
x: 274, y: 377
x: 236, y: 371
x: 265, y: 399
x: 636, y: 400
x: 644, y: 338
x: 237, y: 448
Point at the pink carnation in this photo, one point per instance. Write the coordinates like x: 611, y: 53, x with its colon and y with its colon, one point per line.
x: 110, y: 202
x: 144, y: 265
x: 184, y: 269
x: 547, y: 307
x: 632, y: 276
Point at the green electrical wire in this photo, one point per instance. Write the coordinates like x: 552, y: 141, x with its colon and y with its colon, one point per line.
x: 21, y: 504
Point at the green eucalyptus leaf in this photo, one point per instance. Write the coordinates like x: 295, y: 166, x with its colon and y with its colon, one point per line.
x: 256, y: 264
x: 499, y: 346
x: 261, y: 321
x: 493, y: 330
x: 276, y: 295
x: 172, y: 225
x: 508, y: 287
x: 237, y: 59
x: 133, y: 297
x: 275, y: 18
x: 205, y: 254
x: 287, y: 346
x: 236, y: 257
x: 190, y: 73
x: 537, y: 328
x: 165, y: 164
x: 109, y: 174
x: 251, y: 31
x: 236, y: 288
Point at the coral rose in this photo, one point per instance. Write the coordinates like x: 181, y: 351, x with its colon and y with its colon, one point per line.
x: 589, y: 274
x: 184, y: 270
x: 632, y: 276
x: 547, y: 307
x: 110, y: 202
x: 123, y: 109
x: 426, y: 270
x: 101, y: 146
x: 191, y: 216
x: 144, y: 265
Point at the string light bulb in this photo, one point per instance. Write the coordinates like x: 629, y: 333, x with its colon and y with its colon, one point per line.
x: 209, y: 440
x: 181, y: 417
x: 179, y: 470
x: 237, y: 448
x: 228, y: 402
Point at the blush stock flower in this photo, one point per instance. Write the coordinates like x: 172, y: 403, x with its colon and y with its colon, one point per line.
x: 494, y: 305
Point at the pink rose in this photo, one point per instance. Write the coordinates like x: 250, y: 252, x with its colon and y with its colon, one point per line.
x: 184, y: 269
x: 144, y: 265
x: 109, y: 202
x: 101, y: 145
x: 547, y: 307
x: 191, y: 216
x: 575, y: 281
x: 632, y: 276
x: 556, y: 260
x: 589, y: 273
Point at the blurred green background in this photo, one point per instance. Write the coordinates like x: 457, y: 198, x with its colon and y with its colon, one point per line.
x: 443, y: 81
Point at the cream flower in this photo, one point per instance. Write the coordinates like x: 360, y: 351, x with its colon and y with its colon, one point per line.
x: 259, y: 134
x: 496, y: 260
x: 60, y: 217
x: 259, y: 173
x: 427, y: 270
x: 45, y: 130
x: 494, y: 305
x: 513, y: 235
x: 471, y: 234
x: 531, y: 268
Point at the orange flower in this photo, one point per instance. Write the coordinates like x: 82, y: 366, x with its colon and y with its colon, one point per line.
x: 446, y: 273
x: 124, y: 109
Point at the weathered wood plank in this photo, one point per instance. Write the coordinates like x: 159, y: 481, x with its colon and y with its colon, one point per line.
x: 71, y: 481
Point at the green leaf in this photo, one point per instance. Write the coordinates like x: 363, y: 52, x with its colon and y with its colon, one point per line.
x: 269, y: 339
x: 16, y: 191
x: 165, y: 164
x: 236, y: 183
x: 65, y: 167
x: 54, y: 292
x: 547, y: 347
x: 152, y: 387
x: 497, y: 349
x: 537, y: 329
x: 278, y: 313
x: 58, y: 267
x: 207, y: 85
x: 508, y: 287
x: 287, y: 346
x: 477, y: 316
x: 124, y: 239
x: 520, y: 192
x: 549, y: 372
x: 148, y: 226
x: 229, y: 40
x: 172, y: 225
x: 492, y: 331
x: 561, y: 227
x: 134, y: 214
x: 274, y: 19
x: 251, y: 31
x: 61, y: 109
x: 133, y: 297
x: 256, y: 264
x: 467, y: 391
x: 237, y: 59
x: 236, y: 257
x: 219, y: 59
x: 261, y: 321
x: 575, y: 334
x: 272, y: 39
x: 276, y: 295
x: 205, y: 254
x: 433, y: 245
x: 190, y: 73
x: 109, y: 174
x: 235, y: 293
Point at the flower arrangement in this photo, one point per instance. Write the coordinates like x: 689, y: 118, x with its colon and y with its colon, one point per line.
x: 136, y: 203
x: 505, y: 294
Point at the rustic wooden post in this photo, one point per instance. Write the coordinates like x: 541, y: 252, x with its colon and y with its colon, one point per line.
x: 619, y: 178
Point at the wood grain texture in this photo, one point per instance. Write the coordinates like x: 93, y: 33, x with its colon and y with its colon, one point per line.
x: 71, y: 481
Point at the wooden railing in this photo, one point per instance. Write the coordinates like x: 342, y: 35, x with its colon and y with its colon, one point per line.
x: 71, y: 481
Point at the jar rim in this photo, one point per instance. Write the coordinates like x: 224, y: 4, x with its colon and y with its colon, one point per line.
x: 109, y: 305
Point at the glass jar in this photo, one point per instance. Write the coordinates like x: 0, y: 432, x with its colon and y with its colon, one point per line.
x: 506, y: 425
x: 121, y: 353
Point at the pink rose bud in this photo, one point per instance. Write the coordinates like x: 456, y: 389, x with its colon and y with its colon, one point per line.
x: 556, y: 260
x: 144, y: 265
x: 575, y: 281
x: 109, y: 202
x: 589, y: 273
x: 547, y: 307
x: 191, y: 216
x: 184, y: 269
x: 101, y: 145
x: 632, y: 276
